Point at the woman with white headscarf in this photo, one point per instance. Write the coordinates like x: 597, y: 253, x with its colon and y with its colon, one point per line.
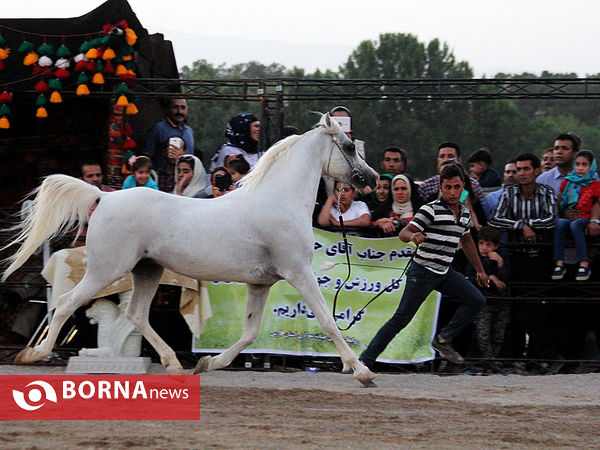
x: 393, y: 215
x: 190, y: 177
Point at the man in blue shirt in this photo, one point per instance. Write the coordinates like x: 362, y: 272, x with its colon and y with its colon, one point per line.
x: 169, y: 139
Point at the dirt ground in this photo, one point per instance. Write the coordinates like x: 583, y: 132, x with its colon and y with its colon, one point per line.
x: 246, y: 409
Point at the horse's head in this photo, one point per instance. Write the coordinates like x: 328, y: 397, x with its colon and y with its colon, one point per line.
x: 343, y: 161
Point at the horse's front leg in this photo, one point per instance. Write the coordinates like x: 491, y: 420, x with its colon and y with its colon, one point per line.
x: 305, y: 282
x: 255, y: 305
x: 146, y: 279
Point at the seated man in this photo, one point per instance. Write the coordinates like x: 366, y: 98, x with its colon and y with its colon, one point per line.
x: 354, y: 213
x: 527, y: 208
x: 528, y: 212
x: 430, y: 188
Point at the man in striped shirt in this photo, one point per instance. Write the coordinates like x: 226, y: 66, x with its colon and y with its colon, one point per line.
x: 528, y: 208
x: 437, y: 228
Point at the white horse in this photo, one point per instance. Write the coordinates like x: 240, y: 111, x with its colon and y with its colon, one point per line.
x: 257, y: 234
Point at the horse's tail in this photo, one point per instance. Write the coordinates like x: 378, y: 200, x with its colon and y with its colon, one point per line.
x: 61, y: 203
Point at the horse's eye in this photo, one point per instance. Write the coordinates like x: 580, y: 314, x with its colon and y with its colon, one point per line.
x: 349, y: 146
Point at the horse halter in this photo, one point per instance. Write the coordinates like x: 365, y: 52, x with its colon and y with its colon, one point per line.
x: 355, y: 174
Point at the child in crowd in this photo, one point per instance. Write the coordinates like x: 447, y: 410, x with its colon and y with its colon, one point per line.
x: 491, y: 323
x: 578, y: 192
x: 238, y: 167
x: 221, y: 182
x: 479, y: 165
x: 141, y: 166
x: 354, y: 213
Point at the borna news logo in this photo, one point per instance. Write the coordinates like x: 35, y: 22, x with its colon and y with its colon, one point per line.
x: 34, y: 396
x: 97, y: 397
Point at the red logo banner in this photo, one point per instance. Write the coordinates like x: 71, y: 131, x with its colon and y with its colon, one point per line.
x: 100, y: 397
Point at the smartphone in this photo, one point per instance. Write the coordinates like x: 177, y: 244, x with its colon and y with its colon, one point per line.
x: 345, y: 123
x: 176, y: 141
x: 223, y: 181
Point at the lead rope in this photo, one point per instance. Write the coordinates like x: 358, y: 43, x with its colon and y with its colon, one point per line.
x: 391, y: 286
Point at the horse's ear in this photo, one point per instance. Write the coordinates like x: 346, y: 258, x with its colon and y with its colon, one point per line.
x: 327, y: 120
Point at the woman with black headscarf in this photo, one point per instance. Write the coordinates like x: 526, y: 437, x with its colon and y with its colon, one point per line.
x: 242, y: 133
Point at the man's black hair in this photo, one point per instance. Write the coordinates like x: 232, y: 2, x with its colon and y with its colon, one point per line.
x: 395, y: 149
x: 453, y: 145
x: 535, y: 161
x: 575, y: 140
x: 89, y: 162
x: 452, y: 170
x: 482, y: 155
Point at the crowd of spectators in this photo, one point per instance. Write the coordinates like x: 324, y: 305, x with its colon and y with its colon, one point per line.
x: 532, y: 224
x: 535, y: 224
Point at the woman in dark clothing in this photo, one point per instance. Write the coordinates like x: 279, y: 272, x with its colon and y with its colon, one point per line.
x: 393, y: 215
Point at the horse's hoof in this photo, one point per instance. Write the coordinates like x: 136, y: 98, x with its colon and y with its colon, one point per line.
x: 365, y: 376
x: 347, y: 369
x: 369, y: 384
x: 202, y: 365
x: 24, y: 357
x: 175, y: 370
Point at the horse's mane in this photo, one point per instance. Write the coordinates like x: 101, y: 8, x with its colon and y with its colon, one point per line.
x: 263, y: 165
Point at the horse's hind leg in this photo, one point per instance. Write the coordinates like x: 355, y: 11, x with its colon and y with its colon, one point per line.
x: 67, y: 303
x: 304, y: 281
x: 257, y: 297
x: 146, y: 277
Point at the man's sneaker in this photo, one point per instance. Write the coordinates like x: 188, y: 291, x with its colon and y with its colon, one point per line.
x: 559, y: 273
x: 583, y: 274
x: 446, y: 351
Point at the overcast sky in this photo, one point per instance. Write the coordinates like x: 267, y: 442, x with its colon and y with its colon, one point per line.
x: 509, y: 36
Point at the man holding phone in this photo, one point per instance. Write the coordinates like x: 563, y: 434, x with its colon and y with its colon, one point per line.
x: 169, y: 139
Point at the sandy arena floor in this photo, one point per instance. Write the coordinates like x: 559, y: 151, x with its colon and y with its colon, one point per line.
x: 294, y: 410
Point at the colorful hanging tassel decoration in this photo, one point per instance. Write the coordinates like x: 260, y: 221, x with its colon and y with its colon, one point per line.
x: 108, y: 54
x: 92, y: 53
x: 45, y: 49
x: 127, y: 130
x: 82, y: 89
x: 41, y: 87
x: 4, y: 112
x: 130, y: 36
x: 128, y: 143
x: 131, y: 109
x: 31, y: 58
x: 5, y: 97
x: 120, y: 70
x: 25, y: 47
x: 63, y: 51
x: 55, y: 97
x: 56, y: 85
x: 45, y: 61
x: 62, y: 74
x: 4, y: 52
x: 109, y: 68
x: 40, y: 102
x: 98, y: 78
x: 122, y: 101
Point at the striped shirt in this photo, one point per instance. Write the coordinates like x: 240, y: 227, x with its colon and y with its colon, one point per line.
x: 442, y: 234
x: 538, y: 211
